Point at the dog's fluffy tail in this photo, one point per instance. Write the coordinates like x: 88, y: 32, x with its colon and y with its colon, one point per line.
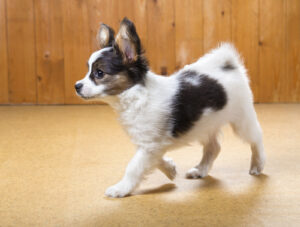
x: 225, y: 56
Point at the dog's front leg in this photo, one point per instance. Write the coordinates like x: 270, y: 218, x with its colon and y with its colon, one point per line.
x: 141, y: 163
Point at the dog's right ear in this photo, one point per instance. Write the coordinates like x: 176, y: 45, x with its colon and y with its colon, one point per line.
x: 105, y: 36
x: 128, y: 42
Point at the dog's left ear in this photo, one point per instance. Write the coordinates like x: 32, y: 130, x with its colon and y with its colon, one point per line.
x: 128, y: 42
x: 105, y: 36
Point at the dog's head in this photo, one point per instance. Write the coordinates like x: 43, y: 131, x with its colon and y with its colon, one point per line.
x: 117, y: 66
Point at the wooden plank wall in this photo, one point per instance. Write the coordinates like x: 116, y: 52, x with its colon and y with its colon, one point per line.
x: 44, y: 44
x: 22, y: 77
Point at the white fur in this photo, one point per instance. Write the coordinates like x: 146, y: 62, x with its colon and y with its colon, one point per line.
x: 103, y: 36
x: 194, y: 81
x: 144, y: 112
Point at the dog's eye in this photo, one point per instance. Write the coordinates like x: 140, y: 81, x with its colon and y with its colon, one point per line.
x: 98, y: 74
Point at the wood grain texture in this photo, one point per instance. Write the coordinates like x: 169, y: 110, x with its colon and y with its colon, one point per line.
x: 272, y: 51
x: 136, y: 11
x: 3, y: 55
x: 21, y: 49
x: 293, y: 51
x: 77, y: 49
x: 45, y: 44
x: 245, y: 37
x: 101, y: 11
x: 161, y: 36
x: 189, y: 31
x: 217, y: 23
x: 49, y: 51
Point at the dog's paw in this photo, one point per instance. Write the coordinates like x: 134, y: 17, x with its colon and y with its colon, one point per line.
x: 194, y: 173
x: 257, y: 166
x: 255, y: 171
x: 170, y: 168
x: 117, y: 191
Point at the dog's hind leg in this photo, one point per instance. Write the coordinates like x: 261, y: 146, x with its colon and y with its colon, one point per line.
x: 167, y: 166
x: 210, y: 153
x: 248, y: 128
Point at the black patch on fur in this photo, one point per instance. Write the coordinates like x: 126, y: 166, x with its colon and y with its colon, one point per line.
x: 109, y: 62
x: 228, y: 66
x: 191, y: 100
x: 137, y: 70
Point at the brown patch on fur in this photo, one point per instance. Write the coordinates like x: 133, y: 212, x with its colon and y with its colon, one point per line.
x: 115, y: 84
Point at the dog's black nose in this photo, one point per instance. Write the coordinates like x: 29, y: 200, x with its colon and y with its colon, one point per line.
x: 78, y: 86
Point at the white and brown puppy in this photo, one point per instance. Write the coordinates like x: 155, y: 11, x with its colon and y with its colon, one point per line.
x: 161, y: 113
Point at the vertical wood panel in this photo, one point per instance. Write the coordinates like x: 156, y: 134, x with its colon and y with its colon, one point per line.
x: 21, y: 51
x: 245, y: 37
x: 44, y: 44
x: 135, y: 10
x: 189, y: 31
x: 49, y: 51
x: 217, y: 22
x: 102, y: 11
x: 272, y: 51
x: 3, y: 55
x: 77, y: 48
x: 293, y: 50
x: 161, y: 36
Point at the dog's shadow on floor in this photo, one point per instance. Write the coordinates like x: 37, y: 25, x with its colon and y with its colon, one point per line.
x: 210, y: 201
x: 207, y: 182
x: 161, y: 189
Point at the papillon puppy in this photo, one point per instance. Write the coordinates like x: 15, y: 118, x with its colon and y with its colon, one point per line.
x: 161, y: 113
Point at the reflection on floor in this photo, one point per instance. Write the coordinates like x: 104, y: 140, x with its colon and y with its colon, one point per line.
x: 57, y: 161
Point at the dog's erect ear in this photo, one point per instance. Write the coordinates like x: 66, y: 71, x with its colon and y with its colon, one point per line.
x: 105, y: 36
x: 128, y: 41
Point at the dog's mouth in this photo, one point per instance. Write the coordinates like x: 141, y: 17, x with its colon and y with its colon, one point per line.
x: 82, y: 96
x: 86, y: 97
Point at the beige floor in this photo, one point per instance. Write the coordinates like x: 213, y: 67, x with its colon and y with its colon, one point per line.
x: 57, y: 161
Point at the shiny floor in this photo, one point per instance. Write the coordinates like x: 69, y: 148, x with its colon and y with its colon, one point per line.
x: 57, y: 161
